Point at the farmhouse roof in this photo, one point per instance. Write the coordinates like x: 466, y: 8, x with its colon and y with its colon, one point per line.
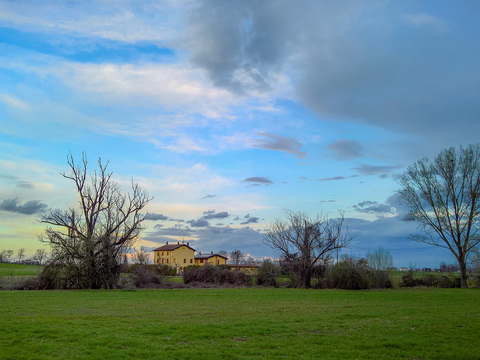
x: 208, y: 256
x: 171, y: 247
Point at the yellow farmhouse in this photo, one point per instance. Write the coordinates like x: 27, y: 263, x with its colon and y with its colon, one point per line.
x: 181, y: 255
x: 176, y: 255
x: 212, y: 259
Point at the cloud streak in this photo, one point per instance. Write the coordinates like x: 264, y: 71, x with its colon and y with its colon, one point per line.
x: 28, y: 208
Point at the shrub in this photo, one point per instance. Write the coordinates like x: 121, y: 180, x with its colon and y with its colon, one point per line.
x: 164, y: 270
x: 209, y: 274
x: 443, y: 281
x: 201, y: 274
x: 354, y: 275
x: 347, y: 276
x: 145, y: 277
x: 267, y: 274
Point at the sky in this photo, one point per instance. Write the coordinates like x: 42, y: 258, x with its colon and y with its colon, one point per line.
x: 230, y: 112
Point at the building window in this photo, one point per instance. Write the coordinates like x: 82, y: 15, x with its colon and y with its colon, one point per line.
x: 191, y: 261
x: 167, y: 261
x: 162, y: 261
x: 184, y: 261
x: 167, y: 253
x: 162, y: 253
x: 201, y: 261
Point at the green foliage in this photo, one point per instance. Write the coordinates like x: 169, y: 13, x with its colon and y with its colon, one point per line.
x: 267, y: 274
x: 240, y: 323
x: 355, y: 275
x: 145, y: 277
x: 158, y: 269
x: 209, y: 274
x: 429, y: 280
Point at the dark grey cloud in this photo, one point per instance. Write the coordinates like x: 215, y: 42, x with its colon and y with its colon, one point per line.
x: 258, y: 180
x: 199, y: 223
x: 380, y: 170
x: 345, y: 149
x: 211, y: 214
x: 17, y: 181
x: 370, y: 62
x: 392, y: 234
x: 250, y: 220
x: 208, y: 197
x: 280, y: 143
x: 334, y: 178
x: 373, y: 207
x: 156, y: 217
x: 28, y: 208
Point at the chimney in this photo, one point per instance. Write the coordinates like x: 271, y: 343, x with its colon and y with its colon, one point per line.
x: 167, y: 242
x: 188, y: 244
x: 178, y: 243
x: 211, y: 252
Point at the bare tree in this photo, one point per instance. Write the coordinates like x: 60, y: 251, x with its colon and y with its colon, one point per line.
x: 236, y: 257
x: 443, y: 197
x: 142, y: 257
x: 5, y: 255
x: 223, y: 253
x: 90, y: 241
x: 379, y: 259
x: 308, y: 241
x: 40, y: 255
x: 20, y: 254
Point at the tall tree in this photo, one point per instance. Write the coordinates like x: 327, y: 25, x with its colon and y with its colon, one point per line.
x: 40, y: 255
x: 20, y: 254
x: 308, y: 241
x: 87, y: 243
x: 443, y: 197
x: 379, y: 259
x: 236, y: 256
x: 5, y: 255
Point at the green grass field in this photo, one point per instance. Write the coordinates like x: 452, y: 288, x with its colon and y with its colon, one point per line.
x: 241, y: 323
x: 19, y: 270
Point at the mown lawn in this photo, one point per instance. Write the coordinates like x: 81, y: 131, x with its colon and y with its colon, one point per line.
x: 19, y: 270
x: 241, y: 323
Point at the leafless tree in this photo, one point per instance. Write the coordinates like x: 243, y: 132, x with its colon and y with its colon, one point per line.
x: 223, y: 253
x: 236, y: 257
x: 142, y: 257
x: 5, y: 255
x: 20, y: 254
x: 40, y: 255
x: 308, y: 241
x: 91, y: 240
x: 443, y: 197
x: 379, y: 259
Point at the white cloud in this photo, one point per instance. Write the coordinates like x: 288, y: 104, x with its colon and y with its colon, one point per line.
x: 145, y: 21
x: 15, y: 102
x: 424, y: 20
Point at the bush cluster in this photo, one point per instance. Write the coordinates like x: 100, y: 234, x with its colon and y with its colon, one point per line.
x: 353, y: 275
x: 442, y: 281
x: 209, y: 274
x: 158, y: 269
x: 267, y: 274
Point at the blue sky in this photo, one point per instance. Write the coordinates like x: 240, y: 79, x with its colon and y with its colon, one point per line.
x: 228, y: 112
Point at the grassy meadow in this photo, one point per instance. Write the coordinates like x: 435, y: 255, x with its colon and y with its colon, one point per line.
x: 19, y: 270
x: 241, y: 323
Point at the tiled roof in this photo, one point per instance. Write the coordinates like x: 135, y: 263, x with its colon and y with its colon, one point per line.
x: 171, y: 247
x: 208, y: 256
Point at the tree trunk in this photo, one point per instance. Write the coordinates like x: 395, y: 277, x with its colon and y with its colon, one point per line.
x: 463, y: 273
x: 305, y: 279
